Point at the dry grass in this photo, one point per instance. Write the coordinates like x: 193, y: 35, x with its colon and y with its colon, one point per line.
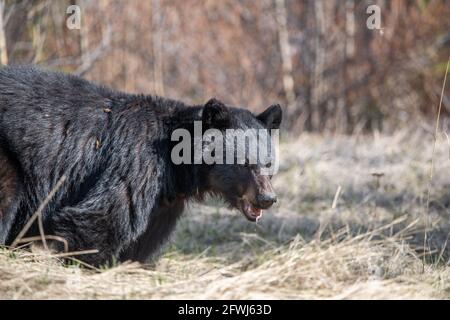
x: 352, y: 268
x: 367, y: 245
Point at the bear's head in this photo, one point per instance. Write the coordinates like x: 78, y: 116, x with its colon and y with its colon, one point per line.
x: 241, y: 172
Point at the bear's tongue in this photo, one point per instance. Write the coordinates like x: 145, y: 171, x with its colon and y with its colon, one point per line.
x: 258, y: 214
x: 256, y: 211
x: 252, y: 211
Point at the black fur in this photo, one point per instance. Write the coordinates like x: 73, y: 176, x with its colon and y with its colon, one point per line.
x: 122, y: 194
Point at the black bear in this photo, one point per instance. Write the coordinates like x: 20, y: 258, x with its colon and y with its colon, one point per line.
x: 122, y: 194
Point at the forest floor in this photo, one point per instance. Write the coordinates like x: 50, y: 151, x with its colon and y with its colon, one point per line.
x: 350, y: 223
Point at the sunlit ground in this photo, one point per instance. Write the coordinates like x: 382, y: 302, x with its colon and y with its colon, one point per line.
x: 349, y: 223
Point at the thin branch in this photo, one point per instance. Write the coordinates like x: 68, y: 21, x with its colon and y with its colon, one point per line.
x: 89, y: 58
x: 38, y: 213
x: 432, y: 159
x: 47, y: 237
x: 3, y: 47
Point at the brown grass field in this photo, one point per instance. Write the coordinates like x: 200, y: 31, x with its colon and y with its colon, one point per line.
x: 350, y: 224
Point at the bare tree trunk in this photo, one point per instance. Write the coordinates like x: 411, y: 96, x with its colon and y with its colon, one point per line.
x: 344, y: 116
x: 158, y: 74
x: 285, y: 50
x: 38, y: 39
x: 318, y: 89
x: 3, y: 48
x: 84, y: 36
x: 350, y: 28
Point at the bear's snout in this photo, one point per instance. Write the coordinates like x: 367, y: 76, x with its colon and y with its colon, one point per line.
x: 265, y: 201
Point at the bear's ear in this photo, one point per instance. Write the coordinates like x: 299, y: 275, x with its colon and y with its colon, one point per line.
x: 215, y: 115
x: 271, y: 117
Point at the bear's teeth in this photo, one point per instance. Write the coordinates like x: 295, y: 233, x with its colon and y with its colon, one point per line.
x: 257, y: 211
x: 259, y: 217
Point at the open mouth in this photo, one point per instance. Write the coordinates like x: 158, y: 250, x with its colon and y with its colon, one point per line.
x: 250, y: 211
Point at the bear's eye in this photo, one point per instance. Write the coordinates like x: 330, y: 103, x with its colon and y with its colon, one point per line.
x: 268, y: 165
x: 249, y: 165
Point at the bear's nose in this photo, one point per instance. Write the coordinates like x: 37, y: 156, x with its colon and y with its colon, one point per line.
x: 266, y: 200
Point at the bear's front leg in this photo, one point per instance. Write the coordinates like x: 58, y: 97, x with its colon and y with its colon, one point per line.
x: 10, y: 189
x: 90, y: 229
x: 162, y: 222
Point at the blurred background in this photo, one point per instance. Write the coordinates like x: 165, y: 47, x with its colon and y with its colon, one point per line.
x: 318, y: 59
x: 364, y: 205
